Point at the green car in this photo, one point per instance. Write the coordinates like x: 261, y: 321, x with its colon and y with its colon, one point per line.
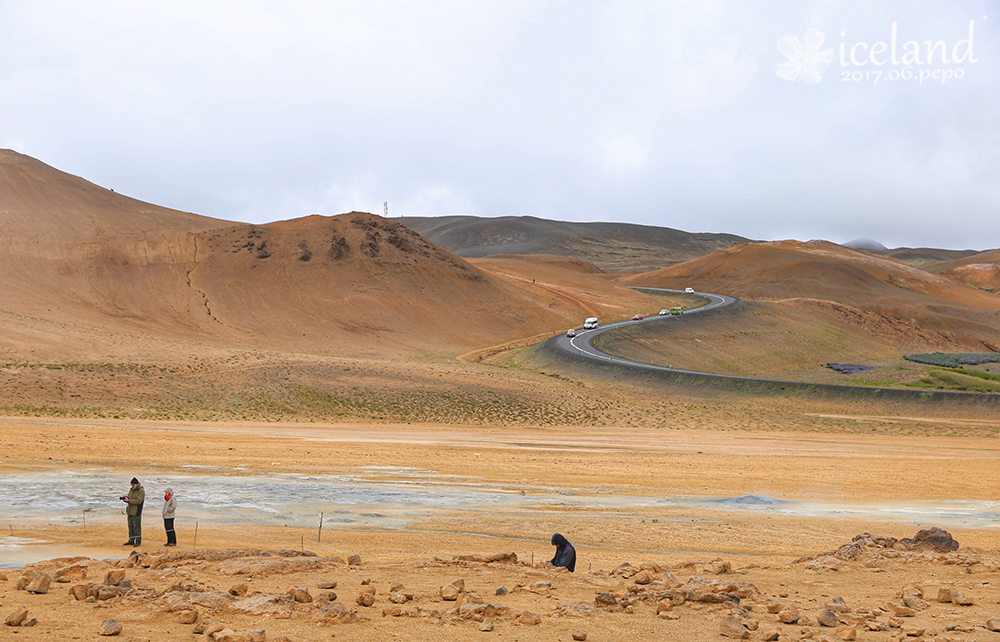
x: 677, y: 310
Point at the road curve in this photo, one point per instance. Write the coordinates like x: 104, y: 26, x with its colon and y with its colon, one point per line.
x: 583, y: 343
x: 582, y: 347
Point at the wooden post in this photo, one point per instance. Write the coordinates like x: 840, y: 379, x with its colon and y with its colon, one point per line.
x: 319, y: 534
x: 84, y: 521
x: 196, y: 534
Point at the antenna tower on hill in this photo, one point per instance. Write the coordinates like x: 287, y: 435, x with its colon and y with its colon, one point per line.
x: 385, y: 208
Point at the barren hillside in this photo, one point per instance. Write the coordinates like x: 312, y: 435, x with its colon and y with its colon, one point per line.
x: 981, y: 270
x: 840, y: 282
x: 87, y: 273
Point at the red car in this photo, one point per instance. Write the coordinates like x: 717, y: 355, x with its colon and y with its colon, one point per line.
x: 638, y: 317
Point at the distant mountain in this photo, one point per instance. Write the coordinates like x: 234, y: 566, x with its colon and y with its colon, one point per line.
x: 921, y: 257
x: 865, y: 244
x: 613, y: 247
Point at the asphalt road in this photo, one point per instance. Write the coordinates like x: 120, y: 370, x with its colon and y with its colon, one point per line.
x: 582, y: 346
x: 583, y: 343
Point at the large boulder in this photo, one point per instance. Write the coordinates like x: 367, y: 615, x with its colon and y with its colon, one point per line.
x: 929, y: 539
x: 40, y: 584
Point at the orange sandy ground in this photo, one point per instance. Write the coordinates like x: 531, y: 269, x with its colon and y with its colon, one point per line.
x: 856, y: 469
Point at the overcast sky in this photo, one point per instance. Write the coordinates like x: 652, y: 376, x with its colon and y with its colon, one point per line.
x: 747, y: 117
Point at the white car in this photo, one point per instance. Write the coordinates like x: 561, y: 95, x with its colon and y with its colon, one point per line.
x: 689, y: 290
x: 664, y: 312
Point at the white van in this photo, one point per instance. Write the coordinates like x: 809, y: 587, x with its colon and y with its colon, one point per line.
x: 590, y: 323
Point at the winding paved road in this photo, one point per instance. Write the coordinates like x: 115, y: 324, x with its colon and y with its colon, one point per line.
x: 583, y: 343
x: 582, y: 346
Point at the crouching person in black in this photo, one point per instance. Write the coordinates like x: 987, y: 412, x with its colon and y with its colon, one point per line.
x: 565, y: 553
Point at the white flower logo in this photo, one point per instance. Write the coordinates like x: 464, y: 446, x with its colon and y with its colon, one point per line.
x: 805, y: 61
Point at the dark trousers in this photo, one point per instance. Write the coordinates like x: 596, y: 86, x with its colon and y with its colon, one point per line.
x: 168, y: 525
x: 135, y: 529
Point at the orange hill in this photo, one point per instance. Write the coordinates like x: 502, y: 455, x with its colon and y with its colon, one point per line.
x: 813, y: 273
x: 85, y: 271
x: 980, y: 270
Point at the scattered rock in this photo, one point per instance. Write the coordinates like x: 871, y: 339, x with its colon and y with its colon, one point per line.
x: 915, y: 603
x: 529, y: 618
x: 354, y: 560
x: 847, y: 633
x: 211, y: 629
x: 993, y: 624
x: 721, y: 567
x: 502, y: 590
x: 302, y: 596
x: 226, y: 635
x: 239, y: 590
x: 957, y: 597
x: 398, y: 598
x: 335, y: 613
x: 110, y: 627
x: 326, y: 584
x: 579, y: 636
x: 911, y: 630
x: 789, y: 614
x: 40, y: 584
x: 731, y: 627
x: 487, y: 625
x: 642, y: 577
x: 573, y: 609
x: 256, y: 636
x: 495, y: 558
x: 114, y: 577
x: 17, y: 617
x: 25, y: 579
x: 106, y: 593
x: 934, y: 539
x: 449, y: 592
x: 837, y: 605
x: 827, y: 618
x: 73, y: 573
x: 365, y: 599
x: 187, y: 616
x: 605, y: 599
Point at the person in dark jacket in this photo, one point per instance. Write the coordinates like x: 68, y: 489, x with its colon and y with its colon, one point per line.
x: 169, y: 511
x: 565, y: 553
x: 135, y: 497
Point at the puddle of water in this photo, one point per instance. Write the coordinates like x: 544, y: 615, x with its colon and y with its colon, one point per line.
x: 384, y: 498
